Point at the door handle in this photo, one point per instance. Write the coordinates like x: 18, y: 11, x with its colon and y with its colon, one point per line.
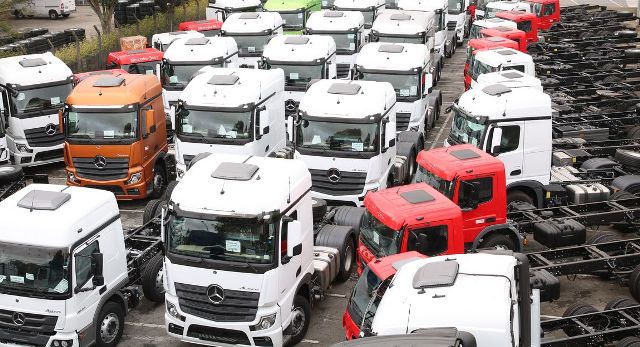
x: 516, y: 172
x: 490, y: 220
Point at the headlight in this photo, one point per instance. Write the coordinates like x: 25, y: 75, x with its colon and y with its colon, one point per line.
x: 135, y: 178
x: 173, y: 311
x: 23, y: 148
x: 62, y: 343
x: 265, y: 322
x: 72, y: 178
x: 180, y: 173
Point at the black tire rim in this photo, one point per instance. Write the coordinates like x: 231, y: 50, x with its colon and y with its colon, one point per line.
x: 158, y: 182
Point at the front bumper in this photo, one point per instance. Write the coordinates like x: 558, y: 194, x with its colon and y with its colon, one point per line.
x: 36, y: 156
x: 352, y: 200
x: 351, y: 329
x: 122, y: 191
x: 16, y: 340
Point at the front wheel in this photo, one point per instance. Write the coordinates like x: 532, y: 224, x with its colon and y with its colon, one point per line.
x: 53, y: 15
x: 159, y: 182
x: 110, y: 325
x: 498, y: 241
x: 300, y: 319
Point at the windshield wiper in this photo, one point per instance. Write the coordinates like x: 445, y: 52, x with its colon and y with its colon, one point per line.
x: 248, y: 265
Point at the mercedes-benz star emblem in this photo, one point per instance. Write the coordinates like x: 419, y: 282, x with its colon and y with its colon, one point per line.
x: 100, y: 162
x: 334, y: 175
x: 290, y: 105
x: 215, y: 293
x: 50, y: 129
x: 19, y: 318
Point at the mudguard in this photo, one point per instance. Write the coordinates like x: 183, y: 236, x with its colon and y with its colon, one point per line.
x: 507, y: 229
x: 536, y: 186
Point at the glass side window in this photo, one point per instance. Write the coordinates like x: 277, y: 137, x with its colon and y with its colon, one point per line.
x: 429, y: 241
x: 485, y: 189
x: 525, y: 26
x: 510, y: 138
x: 549, y: 9
x: 83, y: 263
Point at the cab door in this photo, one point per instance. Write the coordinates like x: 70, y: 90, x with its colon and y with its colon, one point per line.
x: 478, y: 214
x: 86, y: 296
x: 511, y: 151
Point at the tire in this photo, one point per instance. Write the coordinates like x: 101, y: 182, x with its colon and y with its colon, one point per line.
x: 170, y: 187
x: 150, y: 210
x: 629, y: 341
x: 628, y: 158
x: 621, y: 195
x: 341, y: 238
x: 634, y: 133
x: 518, y: 195
x: 10, y: 173
x: 496, y: 240
x: 459, y: 43
x: 53, y: 15
x: 629, y: 183
x: 159, y: 181
x: 575, y: 310
x: 301, y: 316
x: 110, y: 325
x: 602, y: 237
x: 16, y: 14
x: 349, y: 216
x: 319, y: 208
x: 152, y: 286
x: 634, y: 285
x: 620, y: 302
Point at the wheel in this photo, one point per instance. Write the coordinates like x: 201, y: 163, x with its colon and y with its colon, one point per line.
x: 634, y: 133
x: 150, y: 210
x: 629, y: 341
x: 629, y: 183
x: 152, y: 286
x: 602, y: 237
x: 10, y: 173
x: 170, y: 187
x: 620, y: 302
x: 621, y: 195
x: 17, y: 14
x: 53, y: 15
x: 519, y: 196
x: 575, y: 310
x: 300, y: 319
x: 159, y: 183
x: 412, y: 166
x: 634, y: 286
x: 499, y: 241
x: 110, y: 325
x: 65, y: 15
x: 348, y: 256
x: 349, y: 216
x: 319, y: 208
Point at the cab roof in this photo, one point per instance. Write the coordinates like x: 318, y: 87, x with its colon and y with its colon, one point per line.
x: 501, y: 30
x: 201, y: 49
x: 517, y: 100
x: 118, y: 90
x: 389, y: 265
x: 495, y: 22
x: 33, y: 69
x: 410, y: 204
x: 357, y: 4
x: 62, y: 223
x: 136, y: 56
x: 509, y: 78
x: 236, y: 4
x: 329, y: 20
x: 492, y: 42
x: 509, y: 5
x: 383, y: 56
x: 450, y: 162
x: 279, y: 5
x: 252, y: 22
x: 423, y: 5
x: 496, y: 57
x: 400, y: 22
x: 166, y: 38
x: 517, y: 16
x: 200, y: 25
x: 299, y: 48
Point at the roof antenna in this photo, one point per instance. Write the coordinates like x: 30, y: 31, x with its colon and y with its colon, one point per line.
x: 289, y: 197
x: 222, y: 190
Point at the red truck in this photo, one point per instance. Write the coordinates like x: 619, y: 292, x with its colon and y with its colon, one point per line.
x: 209, y: 27
x: 525, y: 21
x: 143, y: 61
x: 547, y: 11
x: 481, y: 44
x: 517, y: 35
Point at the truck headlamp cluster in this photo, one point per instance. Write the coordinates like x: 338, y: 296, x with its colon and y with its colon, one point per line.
x: 265, y: 322
x: 173, y: 311
x: 135, y: 178
x: 72, y: 178
x: 23, y: 148
x: 62, y: 343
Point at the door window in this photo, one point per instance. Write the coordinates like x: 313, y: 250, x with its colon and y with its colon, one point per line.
x: 485, y: 189
x: 429, y: 241
x: 510, y: 140
x: 83, y: 263
x: 525, y: 26
x: 549, y: 9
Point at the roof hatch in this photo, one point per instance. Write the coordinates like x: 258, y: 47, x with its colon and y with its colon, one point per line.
x: 436, y: 274
x: 296, y: 40
x: 417, y: 196
x: 33, y: 62
x: 196, y: 41
x: 400, y: 16
x: 512, y: 74
x: 110, y: 81
x: 495, y: 39
x: 496, y: 89
x: 464, y: 154
x: 391, y: 48
x: 344, y: 88
x: 249, y: 15
x: 224, y: 80
x: 235, y: 171
x: 504, y: 29
x: 506, y: 52
x: 333, y: 14
x: 44, y: 200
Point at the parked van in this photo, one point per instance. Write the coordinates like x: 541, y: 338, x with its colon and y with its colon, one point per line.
x: 53, y: 9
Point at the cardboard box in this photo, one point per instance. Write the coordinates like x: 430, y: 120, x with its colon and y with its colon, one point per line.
x: 133, y: 43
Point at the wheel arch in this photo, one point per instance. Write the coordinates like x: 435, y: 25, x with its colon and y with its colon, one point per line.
x: 504, y: 229
x: 534, y: 189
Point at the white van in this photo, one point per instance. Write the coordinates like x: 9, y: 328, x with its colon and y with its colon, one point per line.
x: 53, y: 9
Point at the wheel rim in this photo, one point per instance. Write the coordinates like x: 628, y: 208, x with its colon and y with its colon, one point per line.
x: 158, y: 182
x: 298, y: 320
x: 348, y: 258
x: 159, y: 287
x: 109, y: 328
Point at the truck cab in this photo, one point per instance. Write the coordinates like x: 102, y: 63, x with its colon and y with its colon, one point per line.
x: 481, y: 8
x: 79, y: 77
x: 162, y: 41
x: 221, y: 10
x: 33, y: 89
x: 459, y: 19
x: 208, y: 27
x: 479, y: 25
x: 368, y: 8
x: 443, y: 44
x: 407, y: 68
x: 4, y: 152
x: 510, y: 5
x: 303, y: 58
x: 252, y: 31
x: 547, y: 11
x: 294, y: 13
x: 509, y: 78
x: 142, y: 61
x: 500, y: 59
x: 346, y: 28
x: 185, y: 57
x: 475, y: 45
x: 496, y: 119
x: 525, y: 21
x: 116, y: 137
x: 399, y: 26
x: 517, y: 35
x: 238, y: 111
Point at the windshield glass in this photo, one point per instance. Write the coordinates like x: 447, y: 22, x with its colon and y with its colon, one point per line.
x: 443, y: 186
x: 455, y: 6
x: 491, y: 12
x: 379, y: 238
x: 214, y: 124
x: 38, y: 99
x: 293, y: 20
x: 180, y: 75
x: 475, y: 32
x: 108, y: 124
x: 536, y: 8
x: 400, y: 39
x: 348, y: 137
x: 251, y: 44
x: 345, y: 42
x: 147, y: 68
x: 299, y: 75
x: 406, y: 86
x: 161, y: 46
x: 469, y: 55
x: 233, y: 239
x: 466, y: 129
x: 34, y: 271
x: 367, y: 284
x: 480, y: 68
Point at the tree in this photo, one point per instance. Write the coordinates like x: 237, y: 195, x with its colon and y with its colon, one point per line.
x: 104, y: 9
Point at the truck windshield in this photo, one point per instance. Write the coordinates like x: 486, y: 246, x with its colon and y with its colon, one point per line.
x: 299, y: 75
x: 214, y: 124
x: 105, y: 124
x: 467, y: 129
x: 367, y: 13
x: 368, y: 284
x: 405, y: 85
x: 401, y: 39
x: 379, y: 238
x: 479, y: 68
x: 443, y: 186
x: 39, y: 99
x: 180, y: 75
x: 491, y: 12
x: 34, y: 271
x: 251, y: 45
x: 147, y: 68
x: 223, y: 238
x: 536, y: 8
x: 346, y: 42
x: 474, y: 33
x: 293, y: 20
x: 346, y: 137
x: 482, y: 4
x: 455, y: 6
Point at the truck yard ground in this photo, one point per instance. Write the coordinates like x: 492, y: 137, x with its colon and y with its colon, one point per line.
x: 145, y: 325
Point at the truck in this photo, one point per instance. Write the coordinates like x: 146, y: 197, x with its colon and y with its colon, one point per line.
x: 141, y: 61
x: 527, y: 22
x: 248, y: 274
x: 445, y: 41
x: 368, y: 8
x: 53, y: 9
x: 252, y: 32
x: 498, y: 59
x: 116, y: 138
x: 346, y: 28
x: 238, y: 111
x: 33, y: 89
x: 547, y: 11
x: 493, y: 8
x: 303, y: 58
x: 459, y: 19
x: 208, y: 27
x: 407, y: 67
x: 162, y: 41
x: 517, y: 35
x: 346, y: 134
x: 399, y: 26
x: 221, y: 10
x: 72, y: 283
x: 294, y: 13
x: 481, y: 44
x: 478, y: 25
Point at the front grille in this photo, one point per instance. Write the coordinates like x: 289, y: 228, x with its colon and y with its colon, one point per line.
x: 350, y: 183
x: 115, y: 168
x: 232, y: 337
x: 237, y: 306
x: 402, y: 121
x: 36, y: 329
x: 187, y: 159
x: 451, y: 25
x: 50, y: 155
x: 37, y: 137
x: 342, y: 70
x: 114, y: 189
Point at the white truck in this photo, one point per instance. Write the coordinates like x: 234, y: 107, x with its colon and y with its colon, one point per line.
x: 459, y: 19
x: 238, y: 111
x: 162, y: 41
x: 497, y: 118
x: 500, y: 59
x: 407, y: 67
x: 498, y: 6
x: 303, y: 58
x: 4, y: 152
x: 239, y: 273
x: 34, y: 88
x: 478, y: 25
x: 400, y: 26
x: 222, y: 9
x: 53, y: 9
x: 185, y: 57
x: 252, y: 31
x: 368, y: 8
x: 346, y: 28
x: 508, y: 78
x: 346, y: 135
x: 444, y: 40
x: 68, y: 272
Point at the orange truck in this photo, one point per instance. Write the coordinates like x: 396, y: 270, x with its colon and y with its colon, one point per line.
x: 116, y: 136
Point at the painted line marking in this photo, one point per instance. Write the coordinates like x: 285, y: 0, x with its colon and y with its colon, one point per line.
x: 145, y: 325
x: 336, y: 295
x: 310, y: 341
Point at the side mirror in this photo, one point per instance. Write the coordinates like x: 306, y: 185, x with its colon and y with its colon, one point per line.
x: 471, y: 196
x: 294, y: 239
x: 257, y: 124
x: 149, y: 122
x: 496, y: 140
x: 61, y: 121
x: 96, y: 269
